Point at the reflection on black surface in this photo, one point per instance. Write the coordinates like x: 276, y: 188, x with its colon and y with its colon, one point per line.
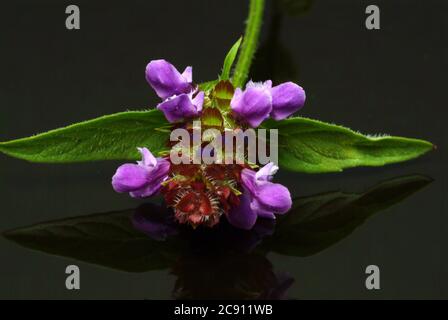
x: 273, y: 59
x: 234, y: 275
x: 222, y: 262
x: 294, y: 7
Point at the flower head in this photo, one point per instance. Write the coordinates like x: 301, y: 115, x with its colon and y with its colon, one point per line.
x: 143, y: 179
x: 200, y: 193
x: 260, y: 198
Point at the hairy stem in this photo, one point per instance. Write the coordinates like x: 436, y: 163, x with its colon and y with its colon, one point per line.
x: 250, y: 42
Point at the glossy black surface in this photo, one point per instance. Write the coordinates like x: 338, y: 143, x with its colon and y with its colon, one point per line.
x: 387, y: 81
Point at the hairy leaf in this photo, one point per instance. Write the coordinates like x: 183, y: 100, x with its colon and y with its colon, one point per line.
x: 313, y: 146
x: 230, y: 58
x: 112, y: 137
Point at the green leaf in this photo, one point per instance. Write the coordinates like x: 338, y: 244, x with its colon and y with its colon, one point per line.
x: 313, y: 146
x: 230, y: 58
x: 112, y: 137
x: 106, y: 239
x: 318, y: 222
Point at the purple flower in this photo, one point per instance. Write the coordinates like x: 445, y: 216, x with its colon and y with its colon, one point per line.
x: 176, y: 108
x: 181, y: 98
x: 287, y: 98
x: 260, y: 100
x: 164, y: 78
x: 254, y: 104
x: 142, y: 179
x: 260, y: 198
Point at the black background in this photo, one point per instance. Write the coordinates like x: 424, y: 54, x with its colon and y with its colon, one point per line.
x: 385, y: 81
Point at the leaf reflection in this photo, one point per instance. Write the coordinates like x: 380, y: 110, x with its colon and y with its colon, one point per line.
x: 235, y: 260
x: 317, y: 222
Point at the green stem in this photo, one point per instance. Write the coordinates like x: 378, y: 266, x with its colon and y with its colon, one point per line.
x: 250, y: 42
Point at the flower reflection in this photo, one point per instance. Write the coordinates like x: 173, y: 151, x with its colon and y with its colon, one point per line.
x: 221, y: 262
x: 156, y: 222
x: 231, y: 276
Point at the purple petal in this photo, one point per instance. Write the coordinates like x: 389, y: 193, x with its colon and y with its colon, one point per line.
x: 180, y: 107
x: 188, y: 74
x: 266, y: 85
x: 266, y: 172
x: 166, y: 80
x: 253, y: 105
x: 248, y: 180
x: 198, y: 101
x: 242, y: 216
x: 148, y: 160
x: 160, y: 171
x: 157, y: 175
x: 267, y: 197
x: 261, y: 210
x: 237, y: 96
x: 148, y: 191
x: 287, y: 98
x: 273, y: 197
x: 130, y: 177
